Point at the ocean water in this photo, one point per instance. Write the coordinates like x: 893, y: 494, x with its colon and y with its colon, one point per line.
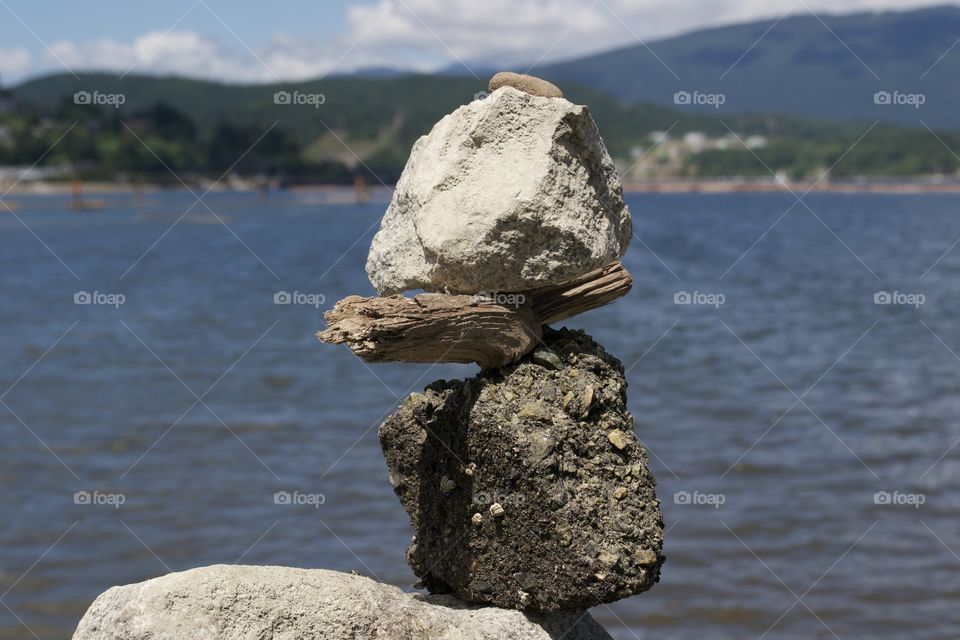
x: 804, y: 433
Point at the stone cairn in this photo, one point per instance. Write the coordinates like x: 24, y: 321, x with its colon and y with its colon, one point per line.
x: 530, y: 497
x: 525, y: 484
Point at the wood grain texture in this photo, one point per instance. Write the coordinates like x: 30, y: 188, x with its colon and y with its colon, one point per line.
x: 489, y: 330
x: 595, y: 289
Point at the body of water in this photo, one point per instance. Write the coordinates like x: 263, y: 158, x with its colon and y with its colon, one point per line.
x: 801, y: 412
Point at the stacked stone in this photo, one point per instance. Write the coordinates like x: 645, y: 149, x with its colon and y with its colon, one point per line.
x: 525, y: 484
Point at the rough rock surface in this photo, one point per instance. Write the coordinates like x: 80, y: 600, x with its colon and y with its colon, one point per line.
x: 525, y: 485
x: 528, y: 84
x: 505, y: 194
x: 277, y: 603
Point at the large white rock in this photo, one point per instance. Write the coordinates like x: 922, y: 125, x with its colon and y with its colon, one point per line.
x: 225, y: 602
x: 504, y: 194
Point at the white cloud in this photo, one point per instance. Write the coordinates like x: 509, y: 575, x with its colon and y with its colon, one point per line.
x: 14, y: 62
x: 518, y: 31
x: 423, y: 35
x: 191, y: 54
x: 177, y: 52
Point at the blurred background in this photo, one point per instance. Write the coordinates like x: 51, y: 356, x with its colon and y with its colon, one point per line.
x: 185, y: 187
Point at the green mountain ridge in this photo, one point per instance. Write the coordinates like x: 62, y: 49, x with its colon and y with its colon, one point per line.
x: 805, y: 83
x: 368, y: 125
x: 820, y: 66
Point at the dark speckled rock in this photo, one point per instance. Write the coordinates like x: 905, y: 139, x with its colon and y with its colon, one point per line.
x: 526, y: 485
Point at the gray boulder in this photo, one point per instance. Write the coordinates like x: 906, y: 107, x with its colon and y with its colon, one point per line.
x: 505, y: 194
x: 525, y: 485
x: 276, y: 603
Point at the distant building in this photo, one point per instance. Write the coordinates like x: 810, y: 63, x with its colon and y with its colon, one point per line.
x: 665, y: 156
x: 729, y: 141
x: 658, y: 136
x: 696, y: 141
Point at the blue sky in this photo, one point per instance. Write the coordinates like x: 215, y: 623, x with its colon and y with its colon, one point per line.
x: 73, y: 20
x: 247, y: 41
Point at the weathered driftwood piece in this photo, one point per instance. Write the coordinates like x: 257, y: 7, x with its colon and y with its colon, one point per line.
x: 432, y: 327
x: 591, y: 290
x: 490, y: 330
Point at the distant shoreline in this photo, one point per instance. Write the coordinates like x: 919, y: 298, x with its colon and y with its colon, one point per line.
x: 125, y: 189
x: 733, y: 185
x: 664, y: 186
